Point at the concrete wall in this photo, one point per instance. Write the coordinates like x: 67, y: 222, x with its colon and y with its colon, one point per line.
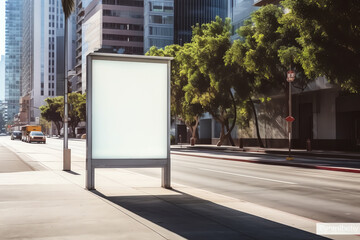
x: 324, y: 119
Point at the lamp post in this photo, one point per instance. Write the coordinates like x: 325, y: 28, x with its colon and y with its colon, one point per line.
x: 290, y: 78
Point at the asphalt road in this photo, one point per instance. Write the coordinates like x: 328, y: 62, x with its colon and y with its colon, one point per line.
x: 320, y: 195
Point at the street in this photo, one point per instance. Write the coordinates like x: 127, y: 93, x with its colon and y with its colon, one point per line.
x: 324, y: 196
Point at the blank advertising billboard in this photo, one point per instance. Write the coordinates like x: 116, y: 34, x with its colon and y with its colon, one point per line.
x: 128, y: 111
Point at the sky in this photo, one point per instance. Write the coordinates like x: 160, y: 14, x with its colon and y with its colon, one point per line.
x: 2, y: 27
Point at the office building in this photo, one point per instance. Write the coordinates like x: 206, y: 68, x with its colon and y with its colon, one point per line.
x: 43, y: 54
x: 158, y: 23
x: 190, y: 12
x: 112, y: 26
x: 240, y: 10
x: 13, y: 41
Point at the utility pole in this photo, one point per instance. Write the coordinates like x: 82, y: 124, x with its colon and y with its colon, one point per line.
x: 67, y: 151
x: 290, y: 78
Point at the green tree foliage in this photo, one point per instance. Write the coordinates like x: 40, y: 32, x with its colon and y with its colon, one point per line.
x: 45, y: 125
x: 329, y: 33
x: 81, y: 107
x: 76, y: 103
x: 180, y: 105
x: 54, y: 110
x: 267, y: 49
x: 50, y: 111
x: 210, y: 79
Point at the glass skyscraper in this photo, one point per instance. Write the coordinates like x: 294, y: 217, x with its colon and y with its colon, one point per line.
x: 240, y: 10
x: 13, y: 41
x: 190, y: 12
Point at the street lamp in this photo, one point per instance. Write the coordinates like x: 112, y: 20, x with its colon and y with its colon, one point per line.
x: 290, y: 78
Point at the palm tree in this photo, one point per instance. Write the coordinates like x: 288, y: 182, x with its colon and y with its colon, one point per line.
x: 68, y: 7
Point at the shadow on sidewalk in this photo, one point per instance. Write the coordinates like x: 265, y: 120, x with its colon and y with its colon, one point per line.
x: 196, y: 218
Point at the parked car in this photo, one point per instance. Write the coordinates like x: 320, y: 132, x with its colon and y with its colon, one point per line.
x: 36, y: 136
x: 2, y: 134
x: 16, y: 135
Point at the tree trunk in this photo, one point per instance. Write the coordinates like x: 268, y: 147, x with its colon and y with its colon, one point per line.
x: 222, y: 135
x: 58, y: 128
x: 229, y: 137
x: 225, y: 123
x: 256, y: 124
x: 194, y: 131
x: 194, y: 128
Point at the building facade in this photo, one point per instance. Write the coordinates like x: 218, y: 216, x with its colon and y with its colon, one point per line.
x: 112, y: 26
x: 158, y: 23
x: 13, y: 42
x: 188, y: 13
x: 43, y: 54
x: 240, y: 10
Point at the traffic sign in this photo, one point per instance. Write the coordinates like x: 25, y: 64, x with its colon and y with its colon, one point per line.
x: 290, y: 76
x: 290, y: 119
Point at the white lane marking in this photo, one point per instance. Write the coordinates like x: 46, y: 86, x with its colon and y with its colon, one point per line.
x: 242, y: 175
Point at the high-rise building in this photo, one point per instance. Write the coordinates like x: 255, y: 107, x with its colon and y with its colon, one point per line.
x: 190, y: 12
x: 43, y: 53
x: 158, y: 23
x: 2, y: 78
x: 13, y: 41
x: 112, y: 26
x: 240, y: 10
x: 79, y: 13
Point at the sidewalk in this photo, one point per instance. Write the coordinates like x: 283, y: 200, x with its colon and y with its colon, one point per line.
x: 53, y: 204
x: 325, y: 160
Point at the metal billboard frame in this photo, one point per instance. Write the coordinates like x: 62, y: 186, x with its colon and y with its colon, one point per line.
x: 91, y: 163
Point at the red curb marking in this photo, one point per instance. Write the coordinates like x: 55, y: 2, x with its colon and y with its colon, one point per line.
x: 337, y: 169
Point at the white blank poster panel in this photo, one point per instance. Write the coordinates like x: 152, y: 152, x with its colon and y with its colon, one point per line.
x: 129, y: 110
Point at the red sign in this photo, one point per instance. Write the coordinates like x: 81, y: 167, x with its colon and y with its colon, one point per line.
x: 290, y: 119
x: 290, y: 76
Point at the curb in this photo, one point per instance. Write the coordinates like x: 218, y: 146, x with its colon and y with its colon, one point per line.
x: 266, y: 151
x: 288, y: 164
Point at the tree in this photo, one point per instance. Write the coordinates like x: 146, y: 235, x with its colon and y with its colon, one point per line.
x: 178, y: 81
x: 45, y: 125
x: 210, y: 80
x: 81, y: 107
x: 181, y: 106
x: 50, y: 111
x: 76, y: 103
x: 329, y: 33
x: 268, y: 48
x: 68, y: 7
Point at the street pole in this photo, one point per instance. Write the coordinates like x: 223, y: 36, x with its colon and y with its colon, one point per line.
x: 67, y: 151
x: 290, y: 123
x: 290, y: 78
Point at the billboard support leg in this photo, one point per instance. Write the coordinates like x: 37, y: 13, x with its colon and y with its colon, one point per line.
x: 90, y: 178
x: 165, y: 178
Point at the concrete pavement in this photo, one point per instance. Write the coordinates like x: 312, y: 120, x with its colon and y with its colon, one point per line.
x: 53, y: 204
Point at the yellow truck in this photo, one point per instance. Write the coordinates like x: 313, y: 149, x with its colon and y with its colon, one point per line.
x: 25, y: 130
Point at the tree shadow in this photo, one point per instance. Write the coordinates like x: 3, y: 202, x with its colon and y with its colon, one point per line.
x: 195, y: 218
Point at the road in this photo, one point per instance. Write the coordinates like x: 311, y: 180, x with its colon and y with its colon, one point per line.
x: 320, y: 195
